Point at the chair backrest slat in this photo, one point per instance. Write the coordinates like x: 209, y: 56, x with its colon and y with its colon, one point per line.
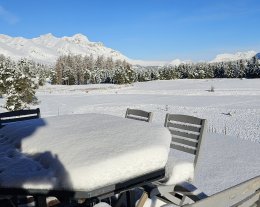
x: 183, y: 149
x: 184, y: 142
x: 185, y: 119
x: 184, y: 127
x: 187, y: 132
x: 138, y: 115
x: 184, y: 134
x: 19, y: 115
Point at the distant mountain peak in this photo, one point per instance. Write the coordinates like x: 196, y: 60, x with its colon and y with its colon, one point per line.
x: 80, y: 36
x: 77, y: 38
x: 233, y: 57
x: 177, y: 62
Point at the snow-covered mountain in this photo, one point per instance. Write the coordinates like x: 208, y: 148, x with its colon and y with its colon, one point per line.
x: 47, y: 48
x: 233, y: 57
x: 177, y: 62
x: 226, y: 57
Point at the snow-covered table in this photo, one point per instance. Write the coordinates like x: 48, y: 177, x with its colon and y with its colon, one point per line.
x: 81, y: 153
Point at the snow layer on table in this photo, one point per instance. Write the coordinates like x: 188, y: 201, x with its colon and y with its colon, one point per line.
x: 80, y: 151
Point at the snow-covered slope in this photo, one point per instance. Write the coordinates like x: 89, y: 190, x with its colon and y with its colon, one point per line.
x: 233, y: 57
x: 47, y: 48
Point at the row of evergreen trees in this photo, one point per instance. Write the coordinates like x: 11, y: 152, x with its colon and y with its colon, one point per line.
x: 84, y: 70
x: 76, y: 69
x: 236, y: 69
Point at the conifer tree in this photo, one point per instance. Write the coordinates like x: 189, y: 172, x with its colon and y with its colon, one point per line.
x: 18, y: 85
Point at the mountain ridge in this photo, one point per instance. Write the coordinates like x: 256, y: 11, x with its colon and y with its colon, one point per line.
x: 47, y: 48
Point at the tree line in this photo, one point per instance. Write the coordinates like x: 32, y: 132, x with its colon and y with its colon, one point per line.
x: 235, y: 69
x: 71, y: 70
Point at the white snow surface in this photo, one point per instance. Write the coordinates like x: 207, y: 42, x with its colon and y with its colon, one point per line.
x: 178, y: 171
x: 231, y: 151
x: 80, y: 152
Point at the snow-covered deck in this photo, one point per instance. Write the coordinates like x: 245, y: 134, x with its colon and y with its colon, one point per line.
x: 80, y: 152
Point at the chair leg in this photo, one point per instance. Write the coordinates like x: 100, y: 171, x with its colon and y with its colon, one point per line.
x: 190, y: 191
x: 175, y: 194
x: 142, y: 200
x: 121, y: 200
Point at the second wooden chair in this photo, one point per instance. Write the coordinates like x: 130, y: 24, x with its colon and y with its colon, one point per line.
x: 138, y: 114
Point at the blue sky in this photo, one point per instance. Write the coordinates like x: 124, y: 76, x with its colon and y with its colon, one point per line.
x: 142, y: 29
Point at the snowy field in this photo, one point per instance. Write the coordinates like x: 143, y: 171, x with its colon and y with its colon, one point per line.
x: 232, y: 146
x: 233, y: 109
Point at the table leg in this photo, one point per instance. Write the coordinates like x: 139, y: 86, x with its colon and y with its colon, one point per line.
x: 40, y: 201
x: 130, y: 198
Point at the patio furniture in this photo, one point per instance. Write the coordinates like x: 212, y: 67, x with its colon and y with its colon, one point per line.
x: 138, y: 114
x: 246, y: 194
x: 187, y: 135
x: 19, y: 115
x: 88, y: 156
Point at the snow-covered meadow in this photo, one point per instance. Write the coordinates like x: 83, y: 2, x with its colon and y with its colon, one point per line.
x: 232, y: 109
x: 231, y: 150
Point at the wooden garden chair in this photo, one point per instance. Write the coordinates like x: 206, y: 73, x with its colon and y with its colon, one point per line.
x: 187, y: 136
x: 138, y: 114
